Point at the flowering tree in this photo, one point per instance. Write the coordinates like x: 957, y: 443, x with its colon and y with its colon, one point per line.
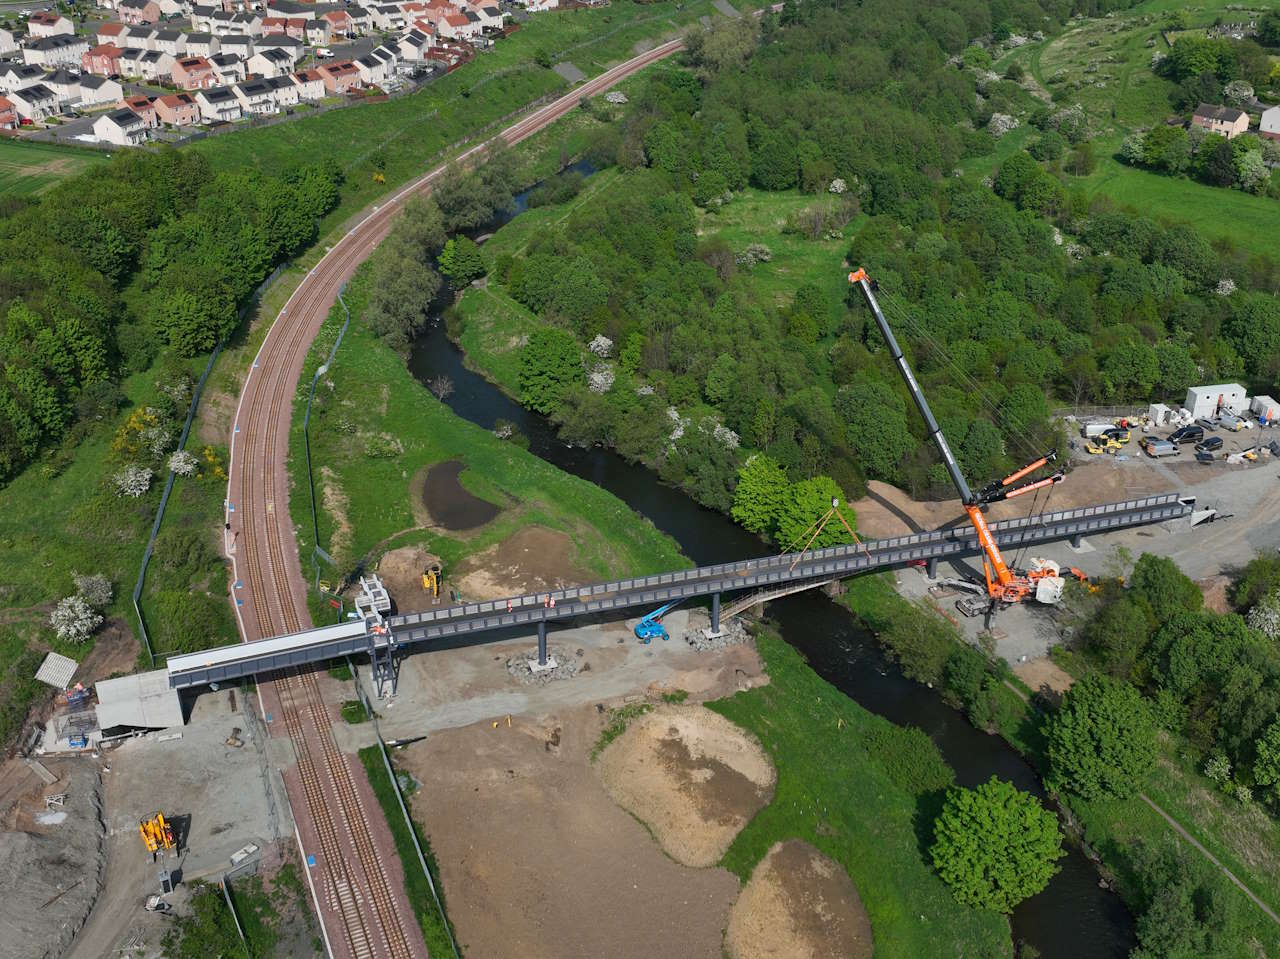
x: 183, y: 463
x: 133, y: 481
x: 74, y: 620
x: 95, y: 589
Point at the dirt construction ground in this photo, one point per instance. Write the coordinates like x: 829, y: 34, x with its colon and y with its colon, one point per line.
x: 538, y: 862
x: 798, y: 905
x: 690, y: 775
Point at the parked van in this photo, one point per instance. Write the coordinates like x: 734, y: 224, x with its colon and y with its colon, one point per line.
x: 1160, y: 448
x: 1211, y: 445
x: 1092, y: 430
x: 1187, y: 434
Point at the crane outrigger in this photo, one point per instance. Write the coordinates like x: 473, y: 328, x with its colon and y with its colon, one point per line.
x: 1042, y: 582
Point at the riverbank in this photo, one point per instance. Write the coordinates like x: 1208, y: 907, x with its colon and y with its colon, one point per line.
x: 1119, y: 831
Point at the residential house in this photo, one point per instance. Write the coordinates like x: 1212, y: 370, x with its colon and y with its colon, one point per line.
x: 256, y: 97
x: 237, y: 44
x: 173, y: 8
x: 155, y: 65
x: 202, y: 16
x: 138, y: 11
x: 361, y: 22
x: 310, y: 84
x: 414, y: 45
x: 8, y: 115
x: 458, y: 26
x: 372, y: 70
x: 8, y: 42
x: 122, y: 127
x: 194, y: 73
x: 98, y: 90
x: 65, y: 86
x: 1227, y: 121
x: 339, y: 23
x: 55, y: 51
x: 284, y: 90
x: 178, y: 109
x: 388, y: 54
x: 250, y: 24
x: 538, y: 6
x: 228, y: 67
x: 172, y: 42
x: 489, y: 14
x: 280, y: 41
x: 1269, y: 127
x: 295, y: 27
x: 201, y: 45
x: 319, y: 32
x: 340, y: 76
x: 15, y: 76
x: 141, y: 36
x: 270, y: 63
x: 387, y: 17
x: 129, y: 61
x: 145, y: 110
x: 111, y: 33
x: 34, y: 102
x: 218, y: 105
x: 104, y: 60
x: 46, y: 23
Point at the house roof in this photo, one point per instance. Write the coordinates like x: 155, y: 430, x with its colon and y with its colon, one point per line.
x: 278, y: 41
x: 56, y: 42
x: 45, y: 16
x: 199, y: 37
x: 37, y: 91
x: 105, y: 50
x: 152, y: 56
x: 177, y: 99
x: 218, y: 94
x: 308, y: 76
x: 111, y: 29
x: 139, y: 102
x: 194, y: 63
x: 340, y: 68
x: 236, y: 40
x: 274, y: 55
x: 62, y: 77
x: 1210, y: 111
x: 254, y: 88
x: 279, y: 83
x: 7, y: 104
x: 168, y: 36
x: 135, y: 4
x: 225, y: 60
x: 93, y: 81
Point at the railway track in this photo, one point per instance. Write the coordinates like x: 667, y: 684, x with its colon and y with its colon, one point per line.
x: 364, y: 912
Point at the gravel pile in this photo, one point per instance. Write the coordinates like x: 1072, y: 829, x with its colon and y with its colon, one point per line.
x: 732, y: 633
x: 521, y: 666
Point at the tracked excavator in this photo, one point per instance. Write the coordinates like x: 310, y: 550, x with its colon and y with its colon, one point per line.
x: 1043, y: 581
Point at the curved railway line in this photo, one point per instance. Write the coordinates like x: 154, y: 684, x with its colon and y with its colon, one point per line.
x: 362, y: 906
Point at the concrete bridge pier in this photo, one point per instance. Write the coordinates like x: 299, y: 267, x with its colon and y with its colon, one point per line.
x: 931, y: 567
x: 542, y: 642
x: 715, y: 614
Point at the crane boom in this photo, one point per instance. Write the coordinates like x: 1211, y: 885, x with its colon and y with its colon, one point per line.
x: 935, y: 431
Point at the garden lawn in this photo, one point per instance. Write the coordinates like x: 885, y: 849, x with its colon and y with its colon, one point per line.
x: 28, y: 167
x: 865, y: 792
x: 374, y: 428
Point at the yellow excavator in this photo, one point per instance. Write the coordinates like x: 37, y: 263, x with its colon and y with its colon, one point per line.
x: 157, y: 834
x: 432, y: 578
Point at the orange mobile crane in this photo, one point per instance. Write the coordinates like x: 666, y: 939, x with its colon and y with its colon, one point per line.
x: 157, y: 834
x: 1004, y: 585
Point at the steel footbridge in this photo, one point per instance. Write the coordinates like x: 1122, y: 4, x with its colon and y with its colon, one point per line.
x: 384, y: 642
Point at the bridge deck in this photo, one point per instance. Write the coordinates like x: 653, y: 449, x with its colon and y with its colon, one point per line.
x: 316, y: 645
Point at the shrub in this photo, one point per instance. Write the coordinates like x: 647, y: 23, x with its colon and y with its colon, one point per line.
x: 74, y: 619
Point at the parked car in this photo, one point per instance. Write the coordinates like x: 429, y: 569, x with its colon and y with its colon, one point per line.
x: 1208, y: 422
x: 1187, y: 434
x: 1160, y: 448
x: 1210, y: 445
x: 1229, y: 421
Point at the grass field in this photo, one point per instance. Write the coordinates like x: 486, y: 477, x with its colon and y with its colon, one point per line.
x: 28, y: 168
x: 863, y: 791
x: 368, y: 443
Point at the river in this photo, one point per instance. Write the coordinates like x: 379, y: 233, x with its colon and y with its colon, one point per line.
x: 1071, y: 919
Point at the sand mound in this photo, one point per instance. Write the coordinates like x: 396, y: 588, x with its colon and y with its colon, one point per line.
x: 798, y: 905
x: 694, y: 778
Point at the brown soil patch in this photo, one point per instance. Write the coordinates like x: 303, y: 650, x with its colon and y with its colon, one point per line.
x: 401, y: 573
x: 1043, y: 675
x: 693, y: 777
x: 1215, y: 593
x: 215, y: 414
x: 536, y: 861
x: 1085, y: 485
x: 115, y: 653
x: 529, y: 561
x: 334, y: 502
x: 798, y: 905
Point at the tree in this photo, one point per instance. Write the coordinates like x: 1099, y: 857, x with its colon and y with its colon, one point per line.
x: 1166, y: 588
x: 1117, y: 637
x: 461, y: 262
x: 875, y: 419
x: 94, y: 588
x: 1269, y: 29
x: 758, y: 497
x: 441, y: 387
x: 74, y: 619
x: 773, y: 164
x: 995, y: 845
x: 805, y: 503
x: 549, y: 364
x: 1102, y: 742
x: 1266, y: 765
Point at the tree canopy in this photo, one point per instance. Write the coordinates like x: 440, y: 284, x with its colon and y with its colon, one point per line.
x: 1102, y: 742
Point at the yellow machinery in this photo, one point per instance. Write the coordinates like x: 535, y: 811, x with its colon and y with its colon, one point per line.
x: 432, y: 577
x: 157, y: 834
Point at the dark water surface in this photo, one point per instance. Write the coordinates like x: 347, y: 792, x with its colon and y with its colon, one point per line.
x: 1073, y: 918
